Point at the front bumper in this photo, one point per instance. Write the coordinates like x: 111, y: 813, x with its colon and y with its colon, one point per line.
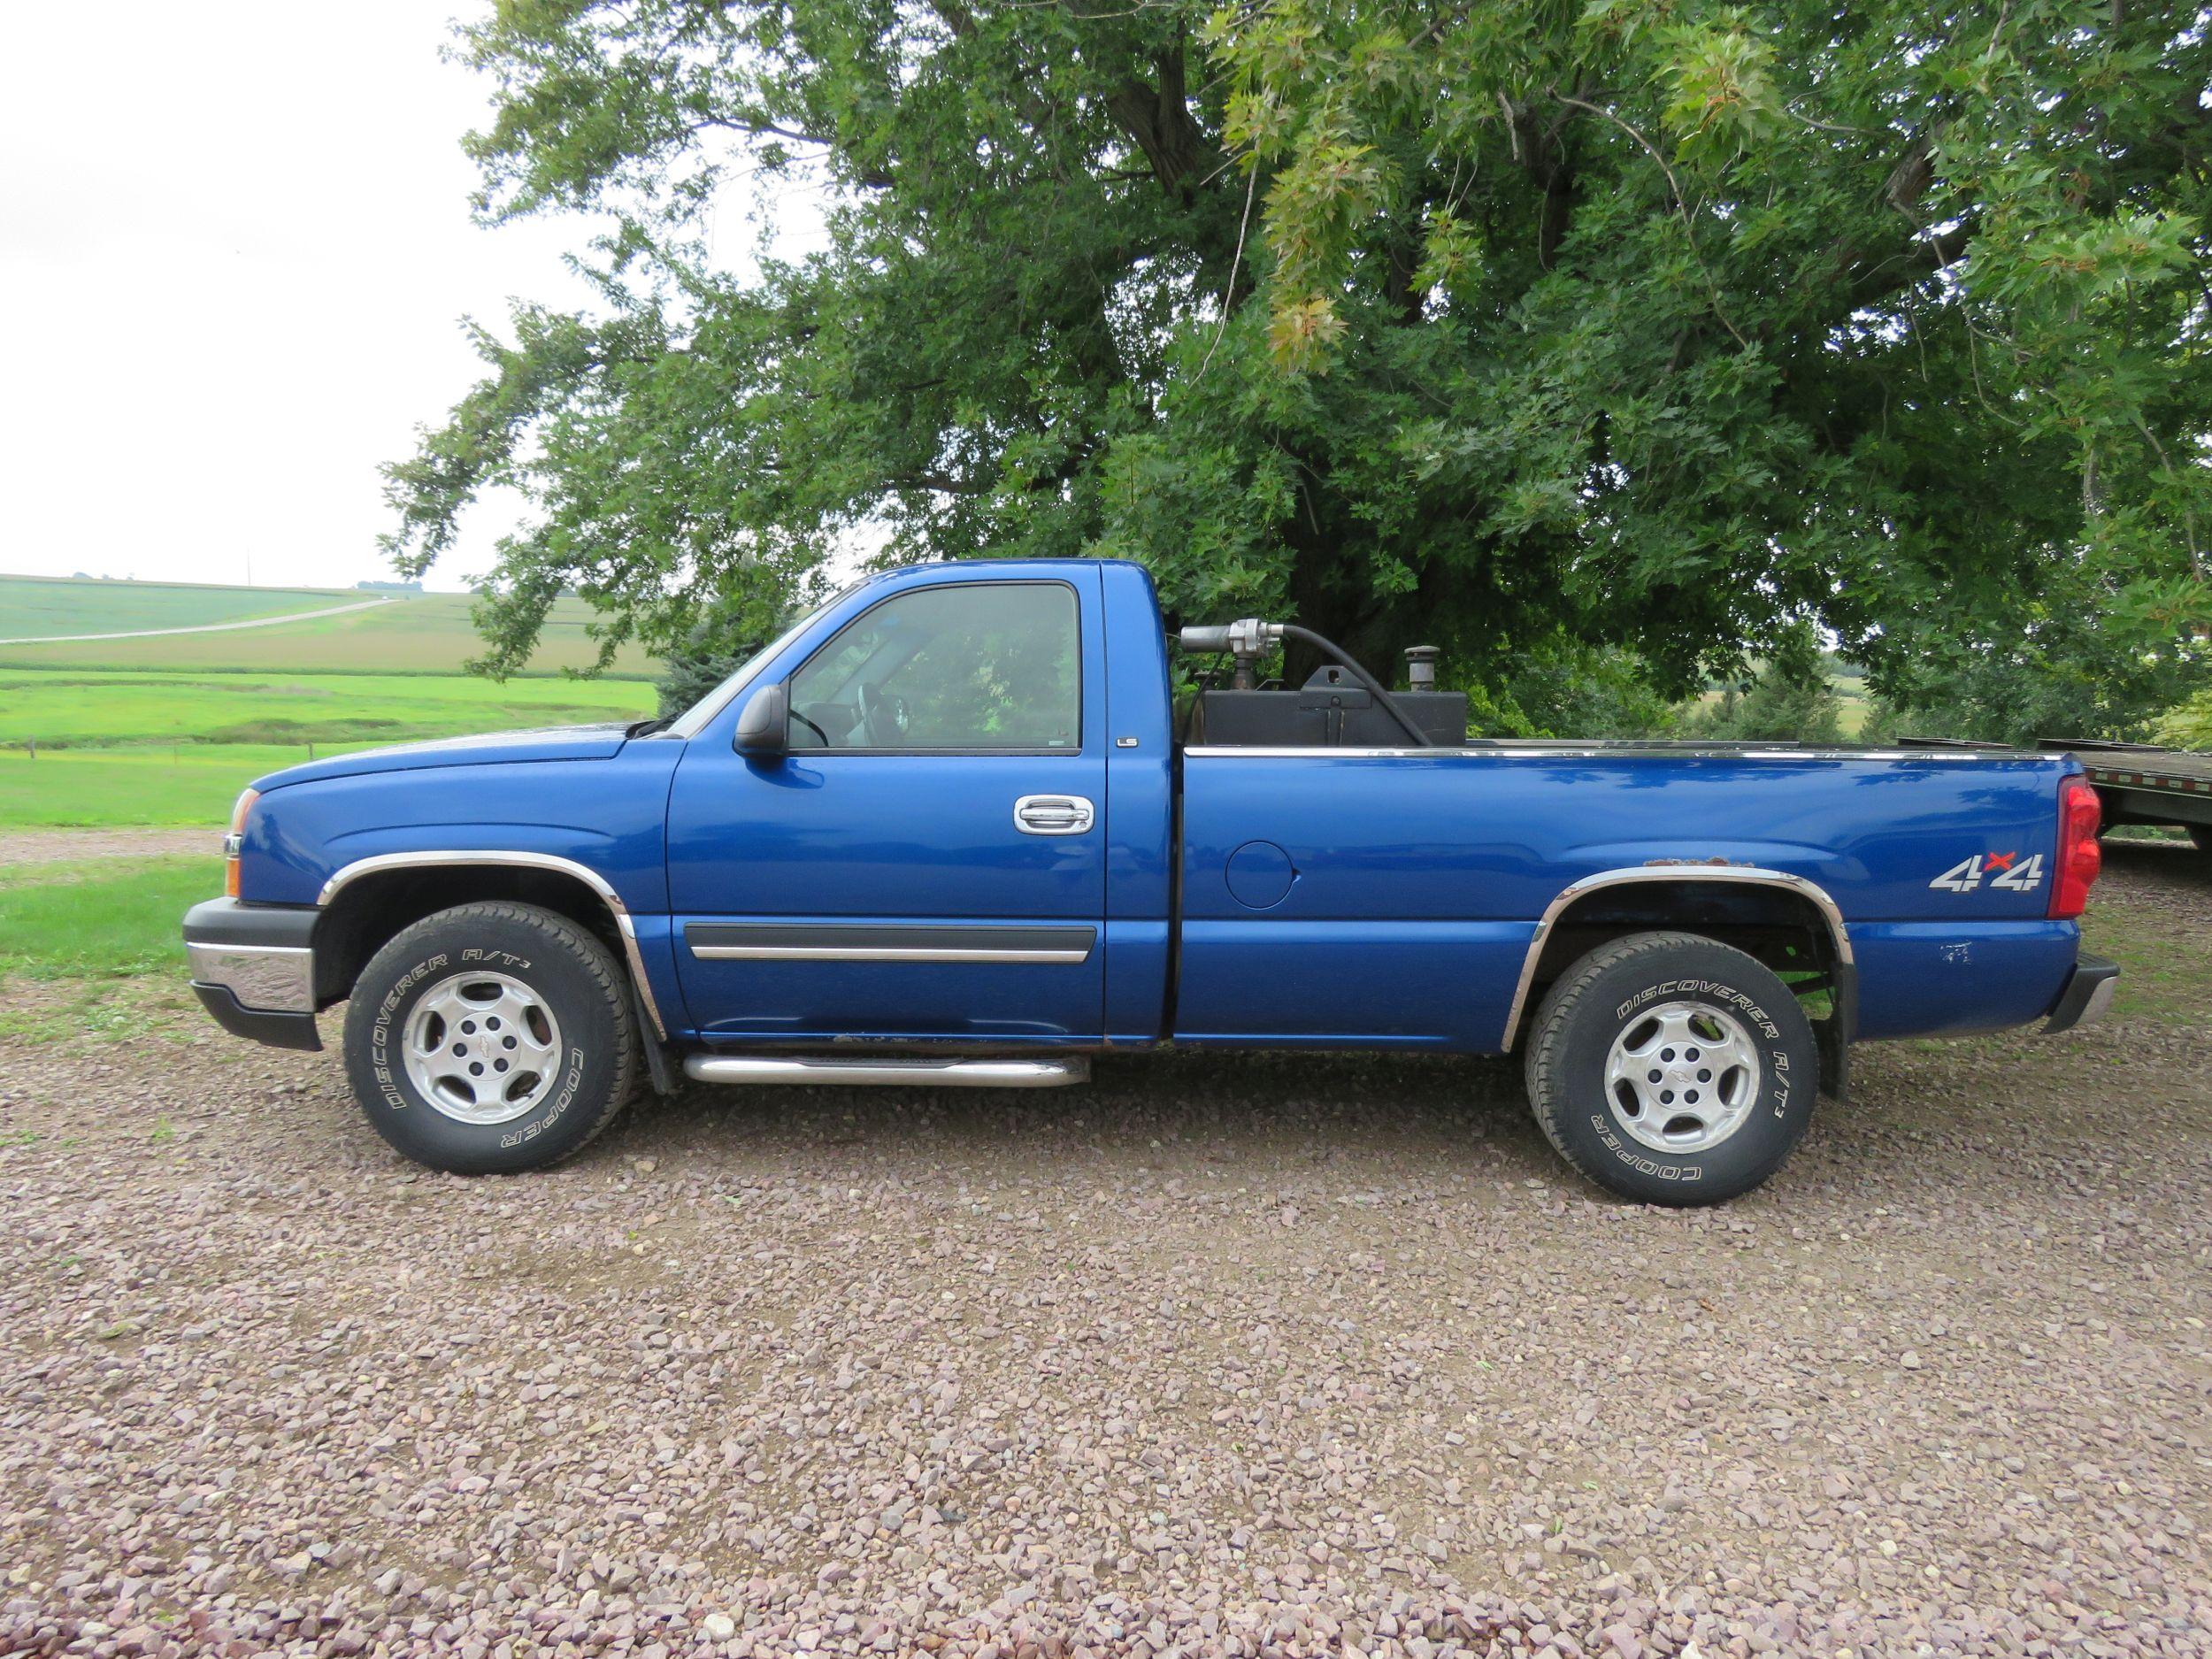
x: 253, y: 968
x: 2087, y: 996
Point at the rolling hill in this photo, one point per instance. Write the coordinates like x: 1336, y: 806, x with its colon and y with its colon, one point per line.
x: 313, y: 630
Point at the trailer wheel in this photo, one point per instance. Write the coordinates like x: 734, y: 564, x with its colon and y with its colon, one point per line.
x: 2201, y: 833
x: 1672, y: 1068
x: 491, y: 1038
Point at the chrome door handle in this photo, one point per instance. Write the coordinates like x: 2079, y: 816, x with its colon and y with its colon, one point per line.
x: 1052, y: 815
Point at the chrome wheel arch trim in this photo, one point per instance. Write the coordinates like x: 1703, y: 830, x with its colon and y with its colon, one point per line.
x: 348, y: 874
x: 1662, y: 875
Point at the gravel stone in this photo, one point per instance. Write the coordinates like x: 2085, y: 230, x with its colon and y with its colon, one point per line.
x: 60, y: 846
x: 1225, y: 1356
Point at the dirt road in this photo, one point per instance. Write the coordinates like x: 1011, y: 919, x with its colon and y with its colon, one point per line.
x: 1222, y: 1355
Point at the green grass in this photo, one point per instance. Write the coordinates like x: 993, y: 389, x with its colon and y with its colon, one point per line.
x: 81, y: 707
x: 101, y: 942
x: 139, y: 748
x: 422, y: 633
x: 2156, y: 981
x: 99, y: 920
x: 113, y: 787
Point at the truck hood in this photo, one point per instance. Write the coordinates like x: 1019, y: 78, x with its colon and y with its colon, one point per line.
x: 552, y: 742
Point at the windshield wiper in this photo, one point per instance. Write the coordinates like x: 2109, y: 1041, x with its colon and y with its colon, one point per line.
x: 642, y: 728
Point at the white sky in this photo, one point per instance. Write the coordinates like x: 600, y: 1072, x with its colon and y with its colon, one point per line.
x: 235, y: 252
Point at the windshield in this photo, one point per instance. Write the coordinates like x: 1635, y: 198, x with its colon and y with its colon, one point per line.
x: 689, y: 723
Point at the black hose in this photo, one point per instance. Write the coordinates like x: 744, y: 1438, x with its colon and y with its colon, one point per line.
x: 1292, y: 631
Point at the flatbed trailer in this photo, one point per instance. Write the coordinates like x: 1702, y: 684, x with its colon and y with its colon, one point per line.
x: 2140, y: 783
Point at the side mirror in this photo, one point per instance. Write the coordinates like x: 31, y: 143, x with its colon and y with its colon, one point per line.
x: 763, y: 731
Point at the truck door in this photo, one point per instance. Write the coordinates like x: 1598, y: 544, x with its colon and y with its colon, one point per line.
x: 928, y: 861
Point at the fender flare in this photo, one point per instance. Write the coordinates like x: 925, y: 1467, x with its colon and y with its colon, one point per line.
x: 1668, y: 874
x: 599, y: 885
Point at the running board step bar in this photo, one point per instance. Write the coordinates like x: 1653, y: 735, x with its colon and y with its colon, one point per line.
x: 910, y: 1073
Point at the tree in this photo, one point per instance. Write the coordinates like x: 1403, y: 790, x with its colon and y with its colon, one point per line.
x: 1789, y: 700
x: 1540, y: 330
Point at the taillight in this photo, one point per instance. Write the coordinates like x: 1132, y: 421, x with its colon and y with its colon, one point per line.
x: 2079, y: 857
x: 232, y: 842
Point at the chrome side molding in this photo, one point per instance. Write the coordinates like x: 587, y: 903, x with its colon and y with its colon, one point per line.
x: 900, y: 942
x: 911, y: 1072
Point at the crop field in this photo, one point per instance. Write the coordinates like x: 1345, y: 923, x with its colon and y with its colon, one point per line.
x: 32, y: 606
x: 167, y: 729
x: 427, y: 634
x: 115, y: 748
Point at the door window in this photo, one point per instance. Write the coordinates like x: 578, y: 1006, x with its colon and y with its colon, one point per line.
x: 980, y: 667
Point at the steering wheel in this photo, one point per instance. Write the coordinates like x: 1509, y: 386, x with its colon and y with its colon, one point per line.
x: 883, y: 717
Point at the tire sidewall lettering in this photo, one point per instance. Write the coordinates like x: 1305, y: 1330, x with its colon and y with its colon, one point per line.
x: 381, y: 1033
x: 580, y: 983
x: 1569, y: 1078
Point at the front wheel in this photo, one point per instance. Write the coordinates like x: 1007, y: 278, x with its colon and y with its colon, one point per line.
x: 491, y: 1038
x: 1672, y: 1068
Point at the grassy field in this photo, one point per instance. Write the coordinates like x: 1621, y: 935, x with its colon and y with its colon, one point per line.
x: 99, y: 942
x: 139, y: 748
x: 80, y: 708
x: 118, y: 748
x: 428, y: 633
x: 31, y: 605
x: 101, y: 919
x: 167, y: 729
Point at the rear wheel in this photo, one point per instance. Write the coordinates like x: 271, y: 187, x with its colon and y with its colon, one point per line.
x: 1672, y: 1068
x: 491, y: 1038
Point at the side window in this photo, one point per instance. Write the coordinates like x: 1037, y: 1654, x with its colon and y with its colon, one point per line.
x: 993, y: 665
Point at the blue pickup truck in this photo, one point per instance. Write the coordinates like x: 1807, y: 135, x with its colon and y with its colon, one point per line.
x: 953, y: 828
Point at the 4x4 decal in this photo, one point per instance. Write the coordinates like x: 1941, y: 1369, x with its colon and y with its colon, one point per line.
x: 1999, y: 870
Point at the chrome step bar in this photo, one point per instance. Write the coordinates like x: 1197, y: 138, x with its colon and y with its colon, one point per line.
x: 896, y: 1071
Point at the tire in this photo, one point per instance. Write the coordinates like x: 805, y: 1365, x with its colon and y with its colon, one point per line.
x: 1660, y: 996
x: 528, y: 1077
x: 2201, y: 833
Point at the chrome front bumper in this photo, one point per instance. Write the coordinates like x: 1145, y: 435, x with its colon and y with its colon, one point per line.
x: 271, y: 979
x: 253, y: 968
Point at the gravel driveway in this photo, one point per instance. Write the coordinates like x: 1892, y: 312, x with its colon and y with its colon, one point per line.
x: 68, y: 846
x: 1221, y: 1355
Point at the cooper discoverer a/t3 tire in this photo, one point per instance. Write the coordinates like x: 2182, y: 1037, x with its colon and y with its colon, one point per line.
x: 491, y: 1038
x: 1672, y: 1068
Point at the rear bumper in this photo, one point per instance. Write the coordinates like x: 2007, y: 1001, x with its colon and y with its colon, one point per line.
x: 2087, y: 996
x: 253, y: 968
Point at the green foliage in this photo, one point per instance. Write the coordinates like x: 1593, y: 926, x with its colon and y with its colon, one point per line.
x: 1666, y: 331
x: 1773, y: 709
x: 1787, y: 700
x: 693, y: 669
x: 2186, y: 725
x: 1567, y: 690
